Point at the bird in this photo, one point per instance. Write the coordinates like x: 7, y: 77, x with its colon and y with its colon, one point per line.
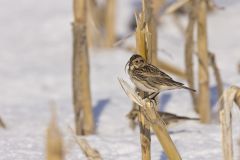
x: 169, y: 119
x: 148, y: 78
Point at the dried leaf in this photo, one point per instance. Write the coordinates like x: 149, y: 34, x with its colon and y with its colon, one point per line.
x: 175, y: 6
x: 91, y: 154
x: 130, y: 92
x: 225, y: 104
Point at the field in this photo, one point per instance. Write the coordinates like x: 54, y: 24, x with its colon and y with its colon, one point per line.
x: 35, y: 69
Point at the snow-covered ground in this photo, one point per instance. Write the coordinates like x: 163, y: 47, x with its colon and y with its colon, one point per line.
x: 35, y: 68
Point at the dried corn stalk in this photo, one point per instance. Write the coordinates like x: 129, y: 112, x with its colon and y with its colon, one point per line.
x: 90, y: 153
x: 145, y: 45
x: 189, y: 49
x: 143, y: 49
x: 55, y: 149
x: 229, y: 96
x: 110, y: 23
x: 93, y: 23
x: 81, y: 88
x: 204, y: 95
x: 157, y: 5
x: 217, y: 74
x: 175, y: 6
x: 149, y: 111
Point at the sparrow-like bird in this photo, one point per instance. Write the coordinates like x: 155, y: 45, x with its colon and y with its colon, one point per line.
x: 149, y: 78
x: 168, y: 118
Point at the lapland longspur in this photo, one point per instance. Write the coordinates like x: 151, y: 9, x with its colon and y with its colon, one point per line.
x: 149, y: 78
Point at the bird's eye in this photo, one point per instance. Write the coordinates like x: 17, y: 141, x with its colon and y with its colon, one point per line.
x: 136, y: 61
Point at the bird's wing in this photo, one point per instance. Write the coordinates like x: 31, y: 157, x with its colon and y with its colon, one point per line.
x: 153, y: 71
x: 138, y: 74
x: 164, y: 81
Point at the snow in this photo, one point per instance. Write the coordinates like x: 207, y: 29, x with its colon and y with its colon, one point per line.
x: 35, y: 68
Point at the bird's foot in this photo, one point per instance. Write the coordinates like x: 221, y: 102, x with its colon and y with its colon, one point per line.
x: 153, y: 95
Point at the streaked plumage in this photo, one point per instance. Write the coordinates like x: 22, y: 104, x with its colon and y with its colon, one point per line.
x: 149, y: 78
x: 168, y: 118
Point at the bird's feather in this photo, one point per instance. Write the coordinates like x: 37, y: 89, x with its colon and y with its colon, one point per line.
x: 149, y: 78
x: 153, y: 71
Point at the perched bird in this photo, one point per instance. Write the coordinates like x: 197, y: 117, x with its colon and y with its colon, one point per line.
x: 149, y: 78
x: 170, y: 118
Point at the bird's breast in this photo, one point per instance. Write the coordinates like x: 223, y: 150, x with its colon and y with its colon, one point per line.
x: 142, y: 86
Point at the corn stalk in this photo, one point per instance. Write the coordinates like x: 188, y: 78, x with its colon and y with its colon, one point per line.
x: 204, y: 96
x: 216, y: 73
x: 148, y: 109
x: 54, y: 146
x: 157, y: 5
x: 189, y: 49
x: 175, y: 6
x: 110, y: 23
x: 93, y: 26
x: 81, y: 88
x: 146, y: 47
x: 90, y: 153
x: 229, y: 96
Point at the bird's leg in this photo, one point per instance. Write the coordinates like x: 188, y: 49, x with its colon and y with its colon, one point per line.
x: 153, y: 95
x: 150, y: 95
x: 146, y: 96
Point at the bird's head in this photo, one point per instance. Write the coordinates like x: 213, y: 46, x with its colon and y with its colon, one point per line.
x: 135, y: 61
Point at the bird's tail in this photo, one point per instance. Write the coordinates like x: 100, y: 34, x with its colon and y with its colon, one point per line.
x: 170, y: 117
x: 187, y: 118
x: 181, y: 85
x: 190, y: 89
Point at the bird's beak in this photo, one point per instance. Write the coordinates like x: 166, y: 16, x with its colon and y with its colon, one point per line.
x: 126, y: 66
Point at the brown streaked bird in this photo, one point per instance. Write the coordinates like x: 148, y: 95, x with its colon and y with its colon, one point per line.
x: 149, y: 78
x: 170, y: 118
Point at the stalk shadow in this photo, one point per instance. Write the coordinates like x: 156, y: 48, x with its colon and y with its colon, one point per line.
x: 99, y: 107
x: 213, y: 96
x: 163, y: 156
x: 164, y: 99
